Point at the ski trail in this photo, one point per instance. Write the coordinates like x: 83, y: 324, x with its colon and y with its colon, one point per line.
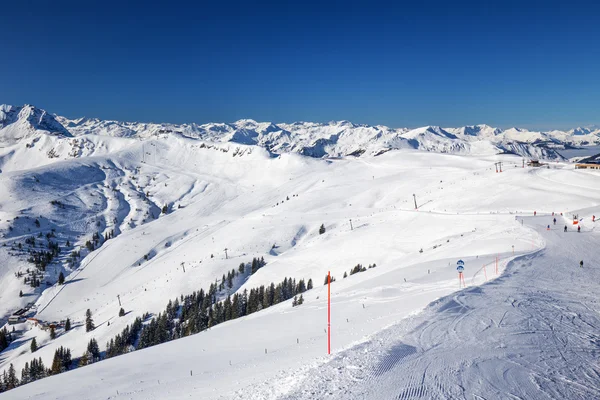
x: 530, y: 334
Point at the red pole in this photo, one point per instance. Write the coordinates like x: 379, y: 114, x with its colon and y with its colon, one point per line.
x: 328, y: 312
x: 485, y: 272
x: 496, y: 265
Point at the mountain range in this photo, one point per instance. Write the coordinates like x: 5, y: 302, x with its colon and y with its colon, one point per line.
x: 319, y: 140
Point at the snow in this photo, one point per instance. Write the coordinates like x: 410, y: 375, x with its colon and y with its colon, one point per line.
x: 402, y: 329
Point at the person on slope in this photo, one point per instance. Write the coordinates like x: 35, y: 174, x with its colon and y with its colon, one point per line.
x: 578, y: 229
x: 554, y: 221
x: 581, y: 264
x: 565, y: 228
x: 593, y: 218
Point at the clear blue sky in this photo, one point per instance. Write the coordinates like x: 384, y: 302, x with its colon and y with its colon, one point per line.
x: 505, y: 63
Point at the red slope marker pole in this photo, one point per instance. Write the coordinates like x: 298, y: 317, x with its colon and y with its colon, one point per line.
x: 485, y: 272
x: 496, y: 265
x: 328, y: 312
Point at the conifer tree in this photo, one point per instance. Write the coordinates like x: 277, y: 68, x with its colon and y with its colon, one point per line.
x: 89, y: 322
x: 68, y: 325
x: 61, y: 278
x: 20, y: 293
x: 121, y: 312
x: 322, y: 229
x: 56, y: 364
x: 24, y: 375
x: 33, y: 345
x: 84, y: 360
x: 94, y: 350
x: 309, y: 285
x: 52, y: 333
x: 11, y: 381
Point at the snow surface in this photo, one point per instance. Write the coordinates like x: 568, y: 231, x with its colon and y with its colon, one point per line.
x: 389, y: 339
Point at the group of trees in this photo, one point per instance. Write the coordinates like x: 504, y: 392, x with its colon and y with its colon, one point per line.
x: 183, y: 316
x: 62, y: 361
x: 297, y: 301
x: 125, y: 341
x: 32, y: 371
x: 35, y: 369
x: 5, y: 338
x: 9, y: 379
x: 199, y: 311
x: 359, y: 268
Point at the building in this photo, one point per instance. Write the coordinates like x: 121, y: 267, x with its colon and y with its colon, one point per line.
x: 535, y: 163
x: 15, y: 319
x: 587, y: 166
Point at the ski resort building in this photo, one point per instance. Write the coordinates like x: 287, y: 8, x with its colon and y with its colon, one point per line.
x: 587, y: 166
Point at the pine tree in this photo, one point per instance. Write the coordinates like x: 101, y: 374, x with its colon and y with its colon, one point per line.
x: 3, y: 339
x: 52, y: 333
x: 12, y: 381
x: 94, y: 350
x: 121, y: 312
x: 295, y: 301
x: 165, y: 209
x: 61, y: 278
x: 309, y: 285
x: 322, y: 229
x: 56, y: 364
x: 20, y: 293
x: 345, y: 274
x: 89, y: 322
x: 84, y: 360
x: 68, y: 325
x: 24, y: 375
x: 33, y: 345
x: 300, y: 300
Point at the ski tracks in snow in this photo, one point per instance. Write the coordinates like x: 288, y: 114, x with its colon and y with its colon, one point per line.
x: 533, y: 333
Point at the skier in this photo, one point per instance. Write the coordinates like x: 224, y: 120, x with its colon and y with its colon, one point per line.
x: 565, y: 228
x: 548, y: 228
x: 534, y: 213
x: 593, y: 218
x: 578, y: 229
x: 554, y: 221
x: 581, y: 264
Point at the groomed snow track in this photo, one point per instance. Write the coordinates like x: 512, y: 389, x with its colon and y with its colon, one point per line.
x: 533, y: 333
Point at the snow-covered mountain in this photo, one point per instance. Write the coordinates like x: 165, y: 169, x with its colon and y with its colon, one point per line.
x: 319, y: 140
x: 343, y: 138
x: 136, y: 215
x: 18, y: 123
x: 333, y: 139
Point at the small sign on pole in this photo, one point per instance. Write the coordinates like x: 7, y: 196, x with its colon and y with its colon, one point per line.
x: 460, y: 267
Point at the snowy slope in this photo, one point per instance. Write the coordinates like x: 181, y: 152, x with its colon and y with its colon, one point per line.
x: 466, y: 210
x: 247, y: 187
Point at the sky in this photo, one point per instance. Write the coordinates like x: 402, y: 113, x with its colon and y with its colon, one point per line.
x: 504, y: 63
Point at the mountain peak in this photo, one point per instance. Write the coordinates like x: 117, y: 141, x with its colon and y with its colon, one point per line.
x: 20, y: 122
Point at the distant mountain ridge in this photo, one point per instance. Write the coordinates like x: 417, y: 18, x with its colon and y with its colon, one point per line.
x: 320, y: 140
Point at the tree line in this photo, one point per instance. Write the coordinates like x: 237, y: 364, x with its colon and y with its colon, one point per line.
x: 183, y: 316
